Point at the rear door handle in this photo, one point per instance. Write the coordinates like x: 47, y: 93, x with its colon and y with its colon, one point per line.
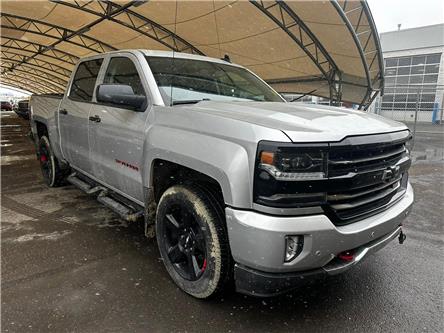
x: 95, y: 119
x: 63, y: 111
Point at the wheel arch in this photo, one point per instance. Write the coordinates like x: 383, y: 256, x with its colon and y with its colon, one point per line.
x: 164, y: 173
x: 41, y: 126
x: 227, y: 163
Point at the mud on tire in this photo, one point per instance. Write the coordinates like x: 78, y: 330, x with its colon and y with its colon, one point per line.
x: 192, y: 239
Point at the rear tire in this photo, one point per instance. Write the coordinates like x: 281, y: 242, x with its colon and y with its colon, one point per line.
x: 53, y: 175
x: 192, y: 239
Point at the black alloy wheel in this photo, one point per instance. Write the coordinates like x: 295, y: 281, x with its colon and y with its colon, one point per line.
x: 185, y: 243
x: 193, y: 242
x: 45, y: 163
x: 53, y: 175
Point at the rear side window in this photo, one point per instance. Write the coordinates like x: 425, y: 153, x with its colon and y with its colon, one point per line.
x: 122, y: 70
x: 82, y: 87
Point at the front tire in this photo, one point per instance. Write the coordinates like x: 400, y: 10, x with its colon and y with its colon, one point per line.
x: 52, y: 174
x: 192, y: 239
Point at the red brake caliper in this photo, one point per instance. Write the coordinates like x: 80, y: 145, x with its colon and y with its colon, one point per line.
x: 204, y: 265
x: 43, y: 158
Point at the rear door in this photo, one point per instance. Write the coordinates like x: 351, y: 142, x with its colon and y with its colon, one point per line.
x: 74, y: 112
x: 117, y: 138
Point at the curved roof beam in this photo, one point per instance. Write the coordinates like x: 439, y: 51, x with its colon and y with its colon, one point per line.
x: 21, y: 59
x: 38, y: 81
x: 39, y: 74
x: 27, y: 66
x: 353, y: 31
x: 18, y: 44
x: 372, y: 24
x: 59, y: 33
x: 296, y: 29
x: 32, y: 83
x: 12, y: 84
x: 136, y: 22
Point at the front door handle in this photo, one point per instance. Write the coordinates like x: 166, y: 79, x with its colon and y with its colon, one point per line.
x: 63, y: 111
x: 95, y: 119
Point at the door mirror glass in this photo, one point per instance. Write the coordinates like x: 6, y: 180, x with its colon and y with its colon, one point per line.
x: 120, y: 95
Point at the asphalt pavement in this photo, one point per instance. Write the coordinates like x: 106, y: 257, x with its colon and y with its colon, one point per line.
x: 69, y: 264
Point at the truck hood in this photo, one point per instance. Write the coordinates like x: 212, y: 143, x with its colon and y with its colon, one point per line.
x: 301, y: 122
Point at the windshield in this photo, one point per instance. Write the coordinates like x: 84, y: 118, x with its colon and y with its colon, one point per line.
x: 183, y: 81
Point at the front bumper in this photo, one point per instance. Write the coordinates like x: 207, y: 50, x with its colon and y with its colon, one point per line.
x: 257, y: 241
x: 257, y: 283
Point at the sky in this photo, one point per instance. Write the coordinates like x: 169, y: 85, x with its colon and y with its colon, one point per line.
x: 389, y: 13
x: 409, y: 13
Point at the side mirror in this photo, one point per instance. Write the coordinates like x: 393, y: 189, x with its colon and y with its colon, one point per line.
x: 120, y: 94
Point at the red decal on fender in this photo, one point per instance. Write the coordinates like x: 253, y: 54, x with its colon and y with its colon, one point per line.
x: 128, y: 165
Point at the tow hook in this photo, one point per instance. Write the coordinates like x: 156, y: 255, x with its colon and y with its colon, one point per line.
x: 401, y: 237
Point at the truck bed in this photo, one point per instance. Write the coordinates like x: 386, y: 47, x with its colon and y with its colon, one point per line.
x: 45, y: 106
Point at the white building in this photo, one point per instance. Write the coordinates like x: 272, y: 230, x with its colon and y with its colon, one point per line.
x: 414, y: 74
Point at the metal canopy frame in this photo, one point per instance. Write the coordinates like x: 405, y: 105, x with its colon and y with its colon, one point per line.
x: 21, y: 59
x: 136, y: 22
x: 60, y: 34
x: 34, y: 85
x: 39, y: 74
x: 344, y: 13
x: 39, y: 69
x: 37, y: 81
x: 312, y: 79
x: 18, y: 44
x: 380, y: 75
x: 288, y: 21
x: 51, y: 65
x: 17, y: 84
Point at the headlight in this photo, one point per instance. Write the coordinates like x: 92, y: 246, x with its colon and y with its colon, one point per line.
x: 293, y: 166
x: 292, y: 163
x: 290, y: 175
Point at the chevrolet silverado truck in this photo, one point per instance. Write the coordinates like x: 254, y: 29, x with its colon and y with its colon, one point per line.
x: 236, y: 184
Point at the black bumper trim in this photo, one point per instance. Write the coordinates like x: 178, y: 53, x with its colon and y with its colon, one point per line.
x: 262, y: 284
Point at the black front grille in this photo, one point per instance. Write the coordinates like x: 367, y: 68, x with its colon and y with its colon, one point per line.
x: 367, y: 174
x: 364, y: 175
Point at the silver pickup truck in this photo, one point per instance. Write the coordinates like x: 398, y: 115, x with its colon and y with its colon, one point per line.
x: 236, y: 184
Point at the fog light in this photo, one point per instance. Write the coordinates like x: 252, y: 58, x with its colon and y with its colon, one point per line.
x: 293, y: 247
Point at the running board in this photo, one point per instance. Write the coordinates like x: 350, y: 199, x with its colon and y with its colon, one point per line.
x: 125, y: 210
x: 84, y: 186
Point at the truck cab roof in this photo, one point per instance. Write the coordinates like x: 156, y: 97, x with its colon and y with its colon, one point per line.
x: 164, y: 54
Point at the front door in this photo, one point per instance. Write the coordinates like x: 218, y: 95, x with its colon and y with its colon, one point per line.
x: 117, y: 133
x: 74, y: 113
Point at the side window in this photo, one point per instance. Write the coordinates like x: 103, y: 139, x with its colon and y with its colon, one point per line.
x: 82, y: 87
x: 122, y: 70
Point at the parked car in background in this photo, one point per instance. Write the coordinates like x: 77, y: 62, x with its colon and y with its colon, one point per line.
x: 23, y: 108
x: 6, y: 106
x: 235, y: 182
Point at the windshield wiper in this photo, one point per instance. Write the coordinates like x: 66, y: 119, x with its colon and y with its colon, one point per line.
x: 189, y: 101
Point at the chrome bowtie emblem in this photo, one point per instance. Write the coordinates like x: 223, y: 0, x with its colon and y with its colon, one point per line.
x: 390, y: 173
